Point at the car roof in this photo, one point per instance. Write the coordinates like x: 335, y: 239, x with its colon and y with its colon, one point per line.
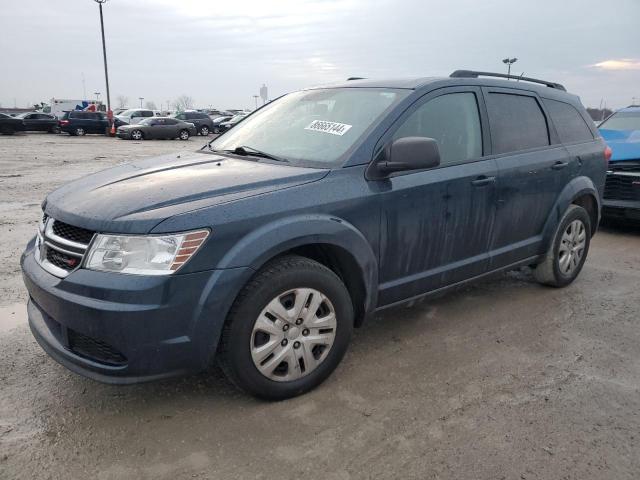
x: 419, y: 83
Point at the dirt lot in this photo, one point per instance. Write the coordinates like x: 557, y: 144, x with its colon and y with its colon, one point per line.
x: 505, y: 379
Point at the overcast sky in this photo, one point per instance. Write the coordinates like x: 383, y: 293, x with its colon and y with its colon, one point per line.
x: 221, y: 52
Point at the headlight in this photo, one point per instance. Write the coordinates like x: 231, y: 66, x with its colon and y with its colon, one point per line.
x: 144, y: 255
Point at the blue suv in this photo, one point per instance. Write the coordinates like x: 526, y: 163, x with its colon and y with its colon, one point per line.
x: 621, y: 131
x: 263, y: 250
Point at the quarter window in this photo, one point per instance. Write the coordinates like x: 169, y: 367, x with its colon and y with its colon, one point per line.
x: 517, y: 122
x: 569, y: 124
x: 453, y: 121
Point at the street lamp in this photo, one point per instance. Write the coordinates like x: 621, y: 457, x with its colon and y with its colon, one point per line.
x: 141, y: 98
x: 106, y: 72
x: 509, y: 62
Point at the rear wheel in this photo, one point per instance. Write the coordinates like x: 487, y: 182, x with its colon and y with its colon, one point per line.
x: 204, y: 130
x: 183, y: 135
x: 216, y: 130
x: 137, y: 135
x: 288, y: 329
x: 568, y: 250
x: 79, y: 131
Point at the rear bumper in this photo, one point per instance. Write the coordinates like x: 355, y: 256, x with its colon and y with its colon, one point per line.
x: 124, y: 329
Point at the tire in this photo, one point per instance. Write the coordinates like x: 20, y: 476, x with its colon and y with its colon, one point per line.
x: 79, y: 131
x: 204, y: 130
x: 315, y: 340
x: 137, y: 135
x: 55, y: 130
x: 568, y: 250
x: 183, y: 135
x: 216, y: 130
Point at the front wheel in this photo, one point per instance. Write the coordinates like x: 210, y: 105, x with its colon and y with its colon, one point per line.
x: 79, y: 132
x: 287, y: 330
x: 568, y: 250
x: 183, y: 135
x: 204, y: 130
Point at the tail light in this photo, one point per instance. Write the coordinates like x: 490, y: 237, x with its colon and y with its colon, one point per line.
x: 607, y: 154
x: 64, y: 122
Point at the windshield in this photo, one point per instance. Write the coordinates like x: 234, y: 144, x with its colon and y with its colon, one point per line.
x: 126, y: 113
x: 311, y: 127
x: 622, y: 121
x: 23, y: 115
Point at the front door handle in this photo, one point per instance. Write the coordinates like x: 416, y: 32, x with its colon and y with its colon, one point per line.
x: 483, y: 180
x: 559, y: 165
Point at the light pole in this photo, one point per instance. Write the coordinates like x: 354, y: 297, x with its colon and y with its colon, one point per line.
x: 141, y: 98
x: 255, y: 97
x: 106, y: 71
x: 509, y: 62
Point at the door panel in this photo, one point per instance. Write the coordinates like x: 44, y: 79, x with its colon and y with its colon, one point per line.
x: 437, y: 224
x: 528, y: 186
x: 533, y: 167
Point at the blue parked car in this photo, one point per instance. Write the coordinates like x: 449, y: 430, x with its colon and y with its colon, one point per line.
x: 621, y: 131
x: 264, y: 249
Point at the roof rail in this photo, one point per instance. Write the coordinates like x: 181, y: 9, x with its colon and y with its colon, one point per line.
x: 474, y: 74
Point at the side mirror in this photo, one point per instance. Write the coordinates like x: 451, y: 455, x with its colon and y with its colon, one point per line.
x: 405, y: 154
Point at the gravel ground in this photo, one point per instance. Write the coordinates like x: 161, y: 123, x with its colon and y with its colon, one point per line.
x: 502, y: 380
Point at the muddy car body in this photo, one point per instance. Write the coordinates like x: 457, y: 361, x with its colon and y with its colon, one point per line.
x: 265, y: 249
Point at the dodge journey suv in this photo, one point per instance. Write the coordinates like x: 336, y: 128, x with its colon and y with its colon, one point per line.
x: 263, y: 250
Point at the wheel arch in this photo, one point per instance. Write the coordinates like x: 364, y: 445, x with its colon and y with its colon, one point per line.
x: 333, y: 242
x: 579, y: 191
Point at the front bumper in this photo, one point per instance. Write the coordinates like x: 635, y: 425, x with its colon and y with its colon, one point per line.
x: 119, y: 328
x: 621, y: 209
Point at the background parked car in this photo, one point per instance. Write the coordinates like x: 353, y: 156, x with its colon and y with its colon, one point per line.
x: 39, y: 122
x: 10, y: 125
x: 218, y: 120
x: 202, y: 121
x: 133, y: 116
x: 224, y: 126
x: 621, y: 131
x: 81, y: 123
x: 157, y: 127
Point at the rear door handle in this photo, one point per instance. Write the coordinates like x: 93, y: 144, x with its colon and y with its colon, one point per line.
x: 483, y: 180
x: 559, y: 165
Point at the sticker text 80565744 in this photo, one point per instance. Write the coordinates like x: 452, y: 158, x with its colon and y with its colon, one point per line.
x: 333, y: 128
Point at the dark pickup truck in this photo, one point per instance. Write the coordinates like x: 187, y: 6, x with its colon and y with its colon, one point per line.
x: 263, y: 250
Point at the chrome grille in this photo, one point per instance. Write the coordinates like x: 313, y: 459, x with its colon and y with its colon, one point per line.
x: 60, y: 247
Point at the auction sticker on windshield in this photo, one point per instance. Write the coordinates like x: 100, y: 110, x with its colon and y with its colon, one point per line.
x: 333, y: 128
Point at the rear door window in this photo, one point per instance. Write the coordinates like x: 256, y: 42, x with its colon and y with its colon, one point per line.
x: 569, y: 124
x: 517, y: 122
x: 453, y: 121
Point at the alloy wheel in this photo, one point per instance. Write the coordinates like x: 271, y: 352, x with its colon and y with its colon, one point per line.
x: 184, y: 135
x: 136, y: 134
x: 293, y: 334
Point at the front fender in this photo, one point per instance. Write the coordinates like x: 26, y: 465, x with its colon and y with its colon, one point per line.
x: 259, y: 246
x: 576, y: 188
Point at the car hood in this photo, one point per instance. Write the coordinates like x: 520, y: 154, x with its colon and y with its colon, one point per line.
x: 135, y: 197
x: 625, y: 144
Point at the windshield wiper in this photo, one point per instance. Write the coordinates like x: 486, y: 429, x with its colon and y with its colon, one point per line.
x: 246, y: 150
x: 254, y: 152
